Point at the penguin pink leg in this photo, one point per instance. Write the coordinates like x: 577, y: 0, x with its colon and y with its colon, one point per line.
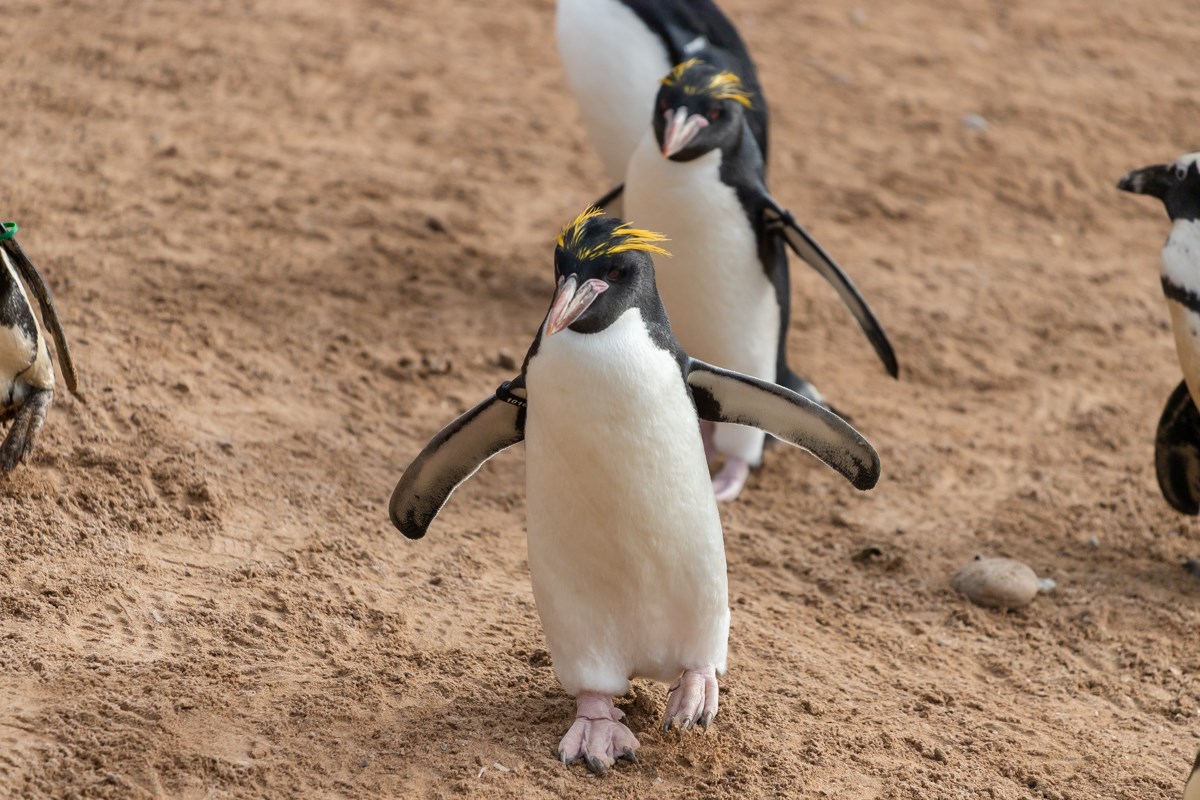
x: 693, y: 699
x: 727, y: 484
x: 597, y: 736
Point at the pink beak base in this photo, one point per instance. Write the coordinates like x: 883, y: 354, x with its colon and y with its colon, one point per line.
x: 570, y: 301
x: 681, y: 129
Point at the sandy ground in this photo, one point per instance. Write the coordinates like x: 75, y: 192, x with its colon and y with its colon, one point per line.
x: 290, y: 240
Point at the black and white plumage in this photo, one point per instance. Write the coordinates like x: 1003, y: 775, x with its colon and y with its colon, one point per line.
x: 625, y: 543
x: 614, y: 52
x: 698, y: 176
x: 26, y: 370
x: 1177, y: 442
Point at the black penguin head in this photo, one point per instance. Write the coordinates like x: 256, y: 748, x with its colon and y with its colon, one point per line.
x: 1177, y: 184
x: 603, y: 268
x: 699, y: 109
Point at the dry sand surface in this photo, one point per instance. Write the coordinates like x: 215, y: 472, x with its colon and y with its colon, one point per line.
x: 291, y: 240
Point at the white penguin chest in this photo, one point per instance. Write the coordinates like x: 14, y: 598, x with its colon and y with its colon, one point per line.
x: 615, y: 470
x: 625, y: 544
x: 613, y: 64
x: 721, y: 303
x: 1181, y: 268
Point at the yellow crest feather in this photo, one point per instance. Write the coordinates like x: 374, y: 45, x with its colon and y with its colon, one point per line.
x: 725, y: 85
x: 622, y: 239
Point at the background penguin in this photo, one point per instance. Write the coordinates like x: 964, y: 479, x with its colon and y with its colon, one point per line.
x: 26, y: 372
x: 697, y: 176
x: 615, y: 51
x: 625, y: 542
x: 1177, y: 443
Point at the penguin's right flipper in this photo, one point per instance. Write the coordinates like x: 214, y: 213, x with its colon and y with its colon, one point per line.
x: 453, y: 455
x: 725, y: 396
x: 45, y: 299
x: 611, y: 203
x: 1177, y: 452
x: 807, y: 248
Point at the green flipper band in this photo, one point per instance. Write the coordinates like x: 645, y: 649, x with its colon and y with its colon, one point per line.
x: 9, y: 230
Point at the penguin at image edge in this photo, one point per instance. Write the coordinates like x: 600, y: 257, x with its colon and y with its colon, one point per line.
x: 26, y: 369
x: 626, y: 550
x: 1177, y: 442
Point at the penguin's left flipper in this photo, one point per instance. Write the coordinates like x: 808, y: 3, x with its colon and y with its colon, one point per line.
x: 453, y: 455
x: 722, y: 395
x: 781, y: 222
x: 41, y: 291
x: 1177, y: 452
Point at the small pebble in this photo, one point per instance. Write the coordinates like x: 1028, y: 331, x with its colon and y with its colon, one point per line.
x: 974, y: 122
x: 1093, y: 541
x: 996, y: 583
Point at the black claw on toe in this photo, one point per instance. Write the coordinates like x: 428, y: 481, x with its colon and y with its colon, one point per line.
x: 629, y: 755
x: 563, y: 758
x: 596, y: 765
x: 705, y: 720
x: 667, y: 725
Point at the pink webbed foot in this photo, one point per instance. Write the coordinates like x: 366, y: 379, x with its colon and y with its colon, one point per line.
x: 727, y: 484
x: 598, y: 736
x: 693, y: 699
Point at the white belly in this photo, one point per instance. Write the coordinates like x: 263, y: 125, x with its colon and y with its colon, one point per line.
x: 1181, y: 266
x: 613, y: 64
x: 720, y: 302
x: 625, y: 543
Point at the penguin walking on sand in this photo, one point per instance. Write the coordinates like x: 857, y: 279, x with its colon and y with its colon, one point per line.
x: 615, y: 51
x: 698, y: 176
x: 1177, y: 443
x: 625, y: 543
x: 26, y: 371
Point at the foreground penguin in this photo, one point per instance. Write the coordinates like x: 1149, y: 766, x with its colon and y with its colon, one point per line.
x: 615, y: 51
x: 1177, y: 444
x: 697, y: 176
x: 625, y: 543
x: 26, y: 371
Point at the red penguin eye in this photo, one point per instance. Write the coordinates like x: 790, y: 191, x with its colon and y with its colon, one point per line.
x: 715, y: 114
x: 614, y: 274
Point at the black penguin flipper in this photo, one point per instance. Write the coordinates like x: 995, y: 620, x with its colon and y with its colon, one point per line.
x: 807, y: 248
x: 722, y: 395
x: 41, y: 291
x: 454, y: 455
x: 1177, y: 452
x: 610, y: 197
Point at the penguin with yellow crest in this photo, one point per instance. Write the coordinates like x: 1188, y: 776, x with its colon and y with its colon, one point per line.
x: 699, y: 177
x: 626, y: 551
